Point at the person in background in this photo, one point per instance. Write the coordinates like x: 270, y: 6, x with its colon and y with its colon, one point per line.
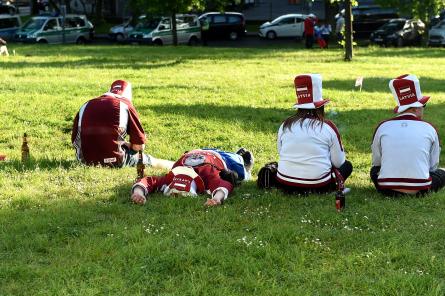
x: 205, y: 27
x: 325, y: 31
x: 340, y: 25
x: 406, y: 149
x: 3, y: 48
x: 318, y: 37
x: 196, y: 172
x: 309, y: 24
x: 100, y: 128
x: 311, y: 153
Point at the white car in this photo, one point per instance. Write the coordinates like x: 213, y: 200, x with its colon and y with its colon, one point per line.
x: 120, y: 32
x: 289, y: 25
x: 436, y: 35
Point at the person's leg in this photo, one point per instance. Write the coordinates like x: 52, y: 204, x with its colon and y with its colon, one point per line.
x: 312, y: 40
x: 292, y: 190
x: 374, y: 173
x: 4, y: 50
x: 158, y: 163
x: 438, y: 180
x: 307, y: 41
x: 131, y: 158
x: 326, y: 40
x: 346, y: 169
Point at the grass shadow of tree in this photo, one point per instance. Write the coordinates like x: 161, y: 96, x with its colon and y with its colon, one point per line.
x: 37, y: 164
x: 356, y: 126
x: 379, y: 84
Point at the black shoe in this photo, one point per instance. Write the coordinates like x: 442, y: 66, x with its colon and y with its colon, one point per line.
x: 247, y: 158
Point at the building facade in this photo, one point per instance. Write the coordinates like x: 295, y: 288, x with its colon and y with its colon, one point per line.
x: 263, y: 10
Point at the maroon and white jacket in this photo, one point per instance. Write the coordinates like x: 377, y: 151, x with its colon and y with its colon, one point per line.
x: 308, y: 153
x: 407, y: 149
x: 100, y: 128
x: 206, y: 163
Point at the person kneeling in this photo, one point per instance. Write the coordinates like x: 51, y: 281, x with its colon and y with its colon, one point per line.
x: 196, y: 172
x: 309, y: 146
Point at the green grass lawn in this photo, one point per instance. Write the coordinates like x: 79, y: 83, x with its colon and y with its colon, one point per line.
x: 69, y: 229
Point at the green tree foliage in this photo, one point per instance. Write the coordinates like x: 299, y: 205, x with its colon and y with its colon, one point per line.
x: 422, y: 9
x: 172, y: 7
x: 166, y: 7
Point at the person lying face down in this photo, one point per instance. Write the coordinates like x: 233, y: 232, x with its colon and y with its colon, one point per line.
x: 196, y: 172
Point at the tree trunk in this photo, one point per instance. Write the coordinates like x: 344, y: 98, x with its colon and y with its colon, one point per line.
x: 174, y: 32
x: 331, y: 10
x: 99, y: 14
x: 348, y: 30
x: 34, y: 7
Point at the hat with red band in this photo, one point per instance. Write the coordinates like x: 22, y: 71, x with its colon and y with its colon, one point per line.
x: 185, y: 182
x: 122, y: 88
x: 406, y: 92
x: 308, y: 88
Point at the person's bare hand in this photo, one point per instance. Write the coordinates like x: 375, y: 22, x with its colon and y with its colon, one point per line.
x: 138, y: 199
x: 211, y: 202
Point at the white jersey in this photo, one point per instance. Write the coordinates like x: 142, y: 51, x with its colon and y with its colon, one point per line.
x: 407, y: 149
x: 308, y: 153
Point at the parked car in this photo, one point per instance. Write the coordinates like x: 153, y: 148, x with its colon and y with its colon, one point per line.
x: 230, y: 25
x: 368, y: 18
x: 289, y: 25
x: 9, y: 25
x: 437, y: 19
x: 399, y: 32
x: 120, y: 32
x: 8, y: 9
x: 436, y: 36
x: 158, y: 30
x: 49, y: 29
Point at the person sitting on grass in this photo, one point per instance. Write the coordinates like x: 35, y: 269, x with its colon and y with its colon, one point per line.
x: 312, y: 157
x: 406, y: 149
x: 196, y: 172
x: 100, y: 128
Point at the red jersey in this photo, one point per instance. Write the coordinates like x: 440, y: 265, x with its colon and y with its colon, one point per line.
x: 100, y: 127
x: 207, y: 164
x: 309, y: 24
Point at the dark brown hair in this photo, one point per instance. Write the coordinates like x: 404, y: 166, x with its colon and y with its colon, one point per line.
x: 316, y: 117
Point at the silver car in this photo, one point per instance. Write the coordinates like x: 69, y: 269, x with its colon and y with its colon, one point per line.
x: 120, y: 32
x: 436, y: 35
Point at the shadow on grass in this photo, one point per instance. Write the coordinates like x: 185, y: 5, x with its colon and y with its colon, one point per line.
x: 99, y: 62
x: 356, y: 126
x: 379, y: 84
x: 41, y: 164
x: 409, y: 52
x: 264, y: 120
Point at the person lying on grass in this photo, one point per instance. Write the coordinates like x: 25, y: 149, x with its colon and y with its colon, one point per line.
x: 309, y: 146
x: 406, y: 149
x: 100, y: 128
x: 197, y: 172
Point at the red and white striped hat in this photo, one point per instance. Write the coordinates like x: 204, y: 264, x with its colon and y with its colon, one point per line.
x: 185, y: 182
x: 308, y: 88
x: 406, y: 92
x: 122, y: 88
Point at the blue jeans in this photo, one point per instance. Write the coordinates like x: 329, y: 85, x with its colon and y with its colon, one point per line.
x: 131, y: 157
